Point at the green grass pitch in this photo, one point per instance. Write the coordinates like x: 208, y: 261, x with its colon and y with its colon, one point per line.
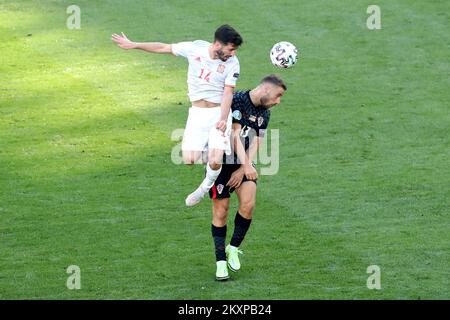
x: 86, y: 176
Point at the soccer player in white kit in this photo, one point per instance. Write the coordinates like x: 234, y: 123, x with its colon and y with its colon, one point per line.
x: 212, y: 75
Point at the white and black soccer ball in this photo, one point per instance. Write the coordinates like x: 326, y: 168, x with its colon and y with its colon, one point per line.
x: 283, y: 54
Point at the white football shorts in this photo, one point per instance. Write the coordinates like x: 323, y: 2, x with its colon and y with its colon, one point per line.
x: 201, y: 134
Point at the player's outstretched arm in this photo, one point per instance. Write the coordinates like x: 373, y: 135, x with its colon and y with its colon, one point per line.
x: 154, y: 47
x: 225, y: 106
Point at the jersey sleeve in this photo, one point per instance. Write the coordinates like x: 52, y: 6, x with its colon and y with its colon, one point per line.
x: 233, y: 75
x: 182, y: 48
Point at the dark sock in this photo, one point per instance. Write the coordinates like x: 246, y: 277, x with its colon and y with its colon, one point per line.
x: 219, y: 234
x: 241, y: 226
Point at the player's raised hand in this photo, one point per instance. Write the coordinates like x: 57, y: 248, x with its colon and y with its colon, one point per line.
x: 123, y: 41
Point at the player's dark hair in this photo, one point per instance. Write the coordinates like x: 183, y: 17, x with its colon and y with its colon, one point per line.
x: 275, y: 80
x: 226, y: 34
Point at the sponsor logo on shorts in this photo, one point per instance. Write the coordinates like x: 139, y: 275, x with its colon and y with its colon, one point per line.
x: 236, y: 75
x: 252, y: 118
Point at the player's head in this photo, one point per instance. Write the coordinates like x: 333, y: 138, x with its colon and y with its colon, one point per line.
x: 226, y: 42
x: 271, y: 89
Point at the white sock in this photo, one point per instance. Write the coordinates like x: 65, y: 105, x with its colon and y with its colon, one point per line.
x: 211, y: 176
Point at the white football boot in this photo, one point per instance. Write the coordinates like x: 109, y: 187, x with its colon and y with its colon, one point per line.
x: 233, y: 258
x: 222, y: 270
x: 196, y: 196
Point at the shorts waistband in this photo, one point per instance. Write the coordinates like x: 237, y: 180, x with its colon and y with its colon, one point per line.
x: 203, y: 108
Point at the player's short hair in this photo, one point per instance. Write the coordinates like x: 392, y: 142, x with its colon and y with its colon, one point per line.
x: 226, y: 34
x: 275, y: 80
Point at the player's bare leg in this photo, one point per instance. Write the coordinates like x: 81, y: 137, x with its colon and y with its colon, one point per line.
x: 219, y: 233
x: 247, y: 196
x: 192, y: 157
x: 213, y: 168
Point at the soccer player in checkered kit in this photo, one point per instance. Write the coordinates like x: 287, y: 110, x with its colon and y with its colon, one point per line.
x: 250, y: 114
x: 212, y: 74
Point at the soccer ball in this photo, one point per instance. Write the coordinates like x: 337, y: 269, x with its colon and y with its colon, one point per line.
x: 283, y: 54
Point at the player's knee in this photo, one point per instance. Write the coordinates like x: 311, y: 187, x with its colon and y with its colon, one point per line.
x: 215, y: 158
x: 221, y: 212
x: 246, y: 209
x: 214, y: 165
x: 220, y: 218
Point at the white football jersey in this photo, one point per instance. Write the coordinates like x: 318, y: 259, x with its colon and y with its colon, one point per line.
x: 206, y: 77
